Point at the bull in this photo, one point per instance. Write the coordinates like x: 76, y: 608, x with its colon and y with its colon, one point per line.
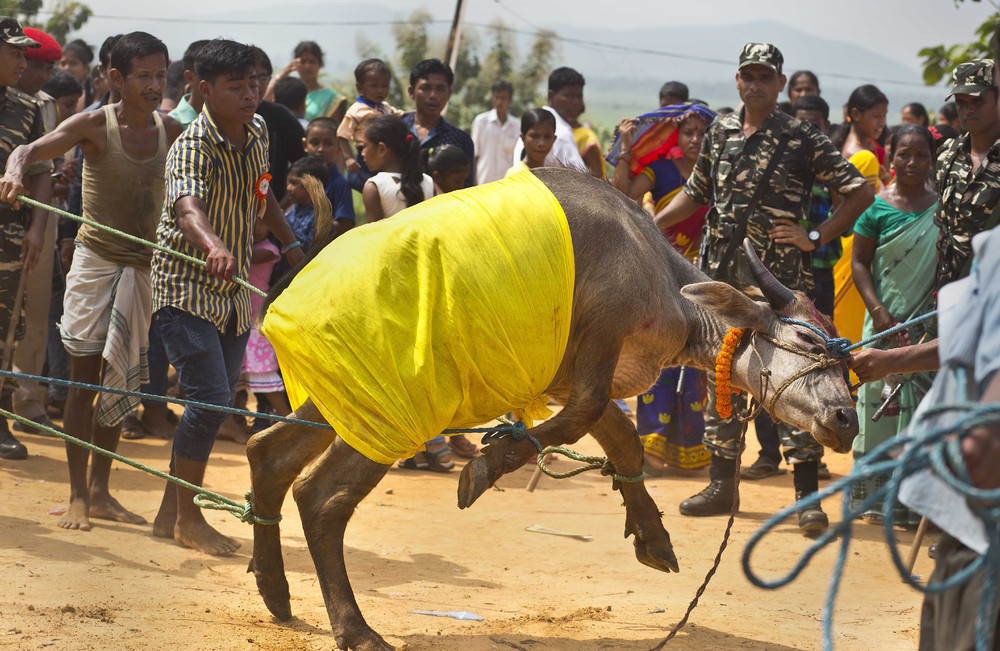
x: 637, y: 306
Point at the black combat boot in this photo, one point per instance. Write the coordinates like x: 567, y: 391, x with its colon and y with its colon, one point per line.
x: 716, y: 499
x: 10, y: 447
x: 812, y: 520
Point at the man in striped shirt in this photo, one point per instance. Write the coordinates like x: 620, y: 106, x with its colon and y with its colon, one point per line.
x: 216, y: 187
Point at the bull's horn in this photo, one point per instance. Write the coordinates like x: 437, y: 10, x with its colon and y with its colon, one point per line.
x: 777, y: 295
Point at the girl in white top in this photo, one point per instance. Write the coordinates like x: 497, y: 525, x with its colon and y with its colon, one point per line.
x: 538, y: 133
x: 393, y: 152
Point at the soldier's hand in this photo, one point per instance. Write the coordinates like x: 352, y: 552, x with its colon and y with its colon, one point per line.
x: 31, y: 248
x: 786, y: 231
x: 10, y: 188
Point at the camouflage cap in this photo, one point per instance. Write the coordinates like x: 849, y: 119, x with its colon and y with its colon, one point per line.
x: 972, y: 78
x: 11, y: 32
x: 763, y: 54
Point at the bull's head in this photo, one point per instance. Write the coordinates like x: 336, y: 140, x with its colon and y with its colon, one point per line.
x: 819, y: 401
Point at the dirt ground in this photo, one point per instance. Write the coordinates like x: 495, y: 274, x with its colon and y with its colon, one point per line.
x: 410, y: 548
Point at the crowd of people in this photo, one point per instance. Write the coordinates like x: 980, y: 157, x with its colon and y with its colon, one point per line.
x: 215, y: 156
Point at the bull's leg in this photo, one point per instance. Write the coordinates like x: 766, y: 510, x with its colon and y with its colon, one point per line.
x: 277, y: 456
x: 620, y: 441
x: 327, y: 495
x: 593, y: 369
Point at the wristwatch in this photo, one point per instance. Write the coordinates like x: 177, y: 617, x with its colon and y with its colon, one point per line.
x: 814, y: 237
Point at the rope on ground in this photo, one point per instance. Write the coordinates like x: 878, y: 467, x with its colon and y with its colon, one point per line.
x: 203, y: 497
x: 592, y: 463
x: 132, y: 238
x: 900, y: 457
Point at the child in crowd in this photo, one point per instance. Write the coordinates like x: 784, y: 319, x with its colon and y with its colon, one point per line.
x: 321, y: 141
x: 448, y: 166
x: 260, y: 364
x: 301, y: 215
x: 393, y: 152
x: 372, y: 80
x: 291, y: 93
x: 538, y: 132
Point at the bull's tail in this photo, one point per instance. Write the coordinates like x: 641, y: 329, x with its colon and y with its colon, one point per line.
x: 322, y: 235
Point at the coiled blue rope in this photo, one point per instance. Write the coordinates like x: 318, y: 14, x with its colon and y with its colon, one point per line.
x: 841, y: 347
x: 938, y: 449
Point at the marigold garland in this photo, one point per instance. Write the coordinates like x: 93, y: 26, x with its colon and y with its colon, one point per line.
x: 723, y: 364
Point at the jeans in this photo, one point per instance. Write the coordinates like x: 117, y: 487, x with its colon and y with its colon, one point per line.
x: 159, y: 365
x: 208, y: 365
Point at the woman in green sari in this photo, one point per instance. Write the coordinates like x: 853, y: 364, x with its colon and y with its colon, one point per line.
x: 893, y: 267
x: 321, y: 101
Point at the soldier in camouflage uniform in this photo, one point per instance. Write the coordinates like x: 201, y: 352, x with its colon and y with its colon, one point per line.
x: 20, y: 123
x: 734, y: 160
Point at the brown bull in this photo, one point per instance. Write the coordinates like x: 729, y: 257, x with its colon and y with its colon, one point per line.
x: 638, y: 306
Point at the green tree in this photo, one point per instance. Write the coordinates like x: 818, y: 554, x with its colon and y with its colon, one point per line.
x: 65, y: 16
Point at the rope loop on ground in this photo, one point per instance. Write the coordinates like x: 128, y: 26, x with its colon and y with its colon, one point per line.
x: 591, y: 463
x: 901, y: 457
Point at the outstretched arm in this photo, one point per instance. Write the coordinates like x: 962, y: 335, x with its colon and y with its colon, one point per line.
x: 680, y: 208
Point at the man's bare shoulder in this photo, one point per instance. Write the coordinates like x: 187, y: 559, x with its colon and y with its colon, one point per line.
x: 172, y: 126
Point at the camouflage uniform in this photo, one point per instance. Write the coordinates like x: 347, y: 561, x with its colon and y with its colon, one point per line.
x: 20, y: 123
x: 729, y: 169
x: 966, y: 196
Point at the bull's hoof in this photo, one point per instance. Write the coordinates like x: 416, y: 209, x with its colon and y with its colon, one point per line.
x: 369, y: 640
x: 274, y: 591
x: 475, y: 480
x: 657, y: 557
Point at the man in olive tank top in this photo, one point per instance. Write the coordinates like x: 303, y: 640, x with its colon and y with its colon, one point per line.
x: 108, y: 299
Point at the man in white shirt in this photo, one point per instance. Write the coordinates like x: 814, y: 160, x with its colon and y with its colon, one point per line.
x: 564, y: 153
x: 494, y: 134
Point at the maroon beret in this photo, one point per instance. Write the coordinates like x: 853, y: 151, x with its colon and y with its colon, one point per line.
x: 50, y: 50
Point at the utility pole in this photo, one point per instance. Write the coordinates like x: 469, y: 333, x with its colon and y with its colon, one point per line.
x: 455, y: 37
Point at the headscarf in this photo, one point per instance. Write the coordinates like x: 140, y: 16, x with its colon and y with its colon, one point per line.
x: 657, y: 135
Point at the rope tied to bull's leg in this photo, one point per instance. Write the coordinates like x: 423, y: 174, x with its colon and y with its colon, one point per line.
x: 592, y: 463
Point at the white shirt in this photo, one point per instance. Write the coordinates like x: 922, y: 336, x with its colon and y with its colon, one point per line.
x: 494, y: 142
x: 564, y: 152
x: 391, y: 197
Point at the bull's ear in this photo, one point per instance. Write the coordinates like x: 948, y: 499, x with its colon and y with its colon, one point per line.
x: 730, y: 305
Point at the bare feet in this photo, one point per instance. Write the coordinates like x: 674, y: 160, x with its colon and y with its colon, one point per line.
x: 76, y: 516
x: 154, y: 420
x: 106, y: 507
x: 234, y: 428
x: 198, y: 534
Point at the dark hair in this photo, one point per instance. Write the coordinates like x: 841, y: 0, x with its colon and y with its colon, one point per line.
x: 313, y: 166
x: 562, y: 77
x: 191, y: 54
x: 502, y: 85
x: 377, y: 66
x: 446, y: 159
x: 862, y: 99
x: 221, y: 57
x: 309, y: 47
x: 919, y: 111
x: 290, y: 92
x: 79, y: 49
x: 321, y: 123
x: 812, y: 103
x: 910, y: 129
x: 260, y: 56
x: 803, y: 73
x: 945, y: 133
x: 175, y: 81
x: 104, y: 54
x: 393, y: 132
x: 674, y: 89
x: 428, y: 67
x: 786, y: 108
x: 61, y: 84
x: 135, y: 45
x: 533, y: 116
x: 949, y: 111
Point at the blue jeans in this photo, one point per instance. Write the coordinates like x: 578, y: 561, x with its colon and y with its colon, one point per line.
x: 159, y: 365
x: 208, y: 365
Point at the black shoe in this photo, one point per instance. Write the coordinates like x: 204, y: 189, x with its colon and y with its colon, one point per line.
x: 10, y: 447
x: 43, y: 420
x: 822, y: 472
x: 716, y: 499
x: 812, y: 519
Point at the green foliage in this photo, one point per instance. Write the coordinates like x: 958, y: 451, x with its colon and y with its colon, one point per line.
x: 940, y: 60
x: 65, y: 15
x: 473, y: 75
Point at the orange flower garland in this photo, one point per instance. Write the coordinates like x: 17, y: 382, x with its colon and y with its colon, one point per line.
x: 723, y: 364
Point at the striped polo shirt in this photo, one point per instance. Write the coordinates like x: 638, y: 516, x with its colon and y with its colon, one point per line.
x: 202, y: 163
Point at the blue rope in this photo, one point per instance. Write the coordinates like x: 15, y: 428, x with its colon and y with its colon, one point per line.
x: 900, y: 457
x: 841, y: 347
x: 505, y: 427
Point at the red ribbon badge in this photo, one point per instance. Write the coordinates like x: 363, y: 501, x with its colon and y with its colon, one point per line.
x: 260, y: 189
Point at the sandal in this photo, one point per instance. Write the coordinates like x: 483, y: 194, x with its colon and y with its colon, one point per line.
x: 435, y: 458
x: 412, y: 464
x: 761, y: 468
x: 462, y: 446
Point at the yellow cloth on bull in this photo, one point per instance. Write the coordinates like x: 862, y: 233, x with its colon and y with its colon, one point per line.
x: 444, y: 316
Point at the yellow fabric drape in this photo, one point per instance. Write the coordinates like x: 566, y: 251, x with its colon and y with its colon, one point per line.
x: 446, y: 315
